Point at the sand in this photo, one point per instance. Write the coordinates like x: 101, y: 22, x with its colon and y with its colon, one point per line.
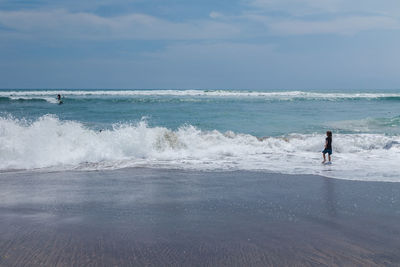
x: 155, y: 217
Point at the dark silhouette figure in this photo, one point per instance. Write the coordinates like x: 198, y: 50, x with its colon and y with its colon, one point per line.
x: 59, y: 99
x: 328, y: 147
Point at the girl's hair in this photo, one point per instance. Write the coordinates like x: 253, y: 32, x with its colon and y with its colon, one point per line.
x: 329, y: 133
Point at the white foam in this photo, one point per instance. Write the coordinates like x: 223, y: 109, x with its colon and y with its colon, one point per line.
x: 284, y: 95
x: 49, y: 99
x: 51, y: 143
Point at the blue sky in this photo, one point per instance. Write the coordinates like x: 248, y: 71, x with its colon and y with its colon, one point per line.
x: 219, y: 44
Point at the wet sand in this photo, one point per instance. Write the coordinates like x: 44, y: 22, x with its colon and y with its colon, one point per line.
x: 148, y: 217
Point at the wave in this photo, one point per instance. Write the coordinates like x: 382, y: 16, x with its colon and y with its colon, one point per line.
x: 21, y: 98
x: 368, y: 125
x: 68, y: 145
x: 285, y: 95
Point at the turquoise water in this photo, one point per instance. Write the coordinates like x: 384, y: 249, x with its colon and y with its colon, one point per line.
x: 256, y: 115
x: 362, y: 122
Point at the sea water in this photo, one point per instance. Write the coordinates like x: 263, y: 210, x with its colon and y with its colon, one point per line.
x: 272, y: 131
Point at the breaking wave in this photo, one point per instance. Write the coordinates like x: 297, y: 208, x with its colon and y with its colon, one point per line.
x: 21, y: 98
x: 51, y: 143
x: 49, y: 95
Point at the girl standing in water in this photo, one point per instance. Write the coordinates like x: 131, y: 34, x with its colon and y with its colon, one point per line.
x: 328, y: 147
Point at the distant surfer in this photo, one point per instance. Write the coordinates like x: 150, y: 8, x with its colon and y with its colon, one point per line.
x: 59, y: 99
x: 328, y: 147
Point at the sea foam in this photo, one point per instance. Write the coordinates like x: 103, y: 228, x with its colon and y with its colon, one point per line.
x: 278, y: 95
x: 65, y: 145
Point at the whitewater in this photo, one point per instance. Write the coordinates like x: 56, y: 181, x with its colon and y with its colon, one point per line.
x: 201, y: 130
x: 278, y: 95
x: 61, y: 145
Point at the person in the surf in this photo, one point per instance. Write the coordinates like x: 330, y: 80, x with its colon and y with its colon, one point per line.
x: 59, y: 99
x: 328, y: 147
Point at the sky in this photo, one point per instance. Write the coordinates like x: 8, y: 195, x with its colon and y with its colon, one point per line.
x: 203, y: 44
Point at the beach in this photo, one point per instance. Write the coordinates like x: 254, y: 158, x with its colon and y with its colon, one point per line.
x: 196, y: 133
x: 167, y: 217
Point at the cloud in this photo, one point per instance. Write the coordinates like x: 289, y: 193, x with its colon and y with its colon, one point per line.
x: 295, y: 7
x: 348, y: 25
x: 312, y: 7
x: 63, y: 24
x: 71, y: 5
x: 303, y: 17
x: 253, y: 21
x: 216, y: 15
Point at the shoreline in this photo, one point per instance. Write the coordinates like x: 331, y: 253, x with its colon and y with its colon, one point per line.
x: 49, y: 170
x: 158, y: 217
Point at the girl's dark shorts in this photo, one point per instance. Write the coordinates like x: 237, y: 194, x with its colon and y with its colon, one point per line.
x: 329, y: 151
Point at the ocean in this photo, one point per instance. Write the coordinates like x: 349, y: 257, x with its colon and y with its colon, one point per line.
x: 204, y: 130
